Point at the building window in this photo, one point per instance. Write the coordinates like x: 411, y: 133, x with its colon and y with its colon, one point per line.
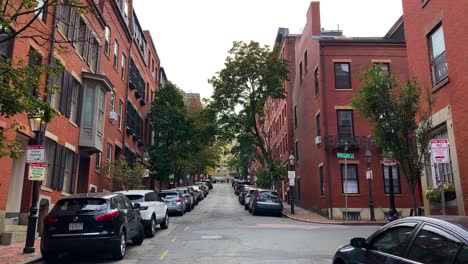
x: 316, y: 81
x: 437, y: 54
x: 34, y: 62
x: 116, y: 54
x: 75, y: 101
x: 109, y: 153
x: 93, y: 55
x: 393, y: 170
x: 98, y: 161
x: 107, y: 41
x: 317, y: 124
x: 68, y: 172
x: 50, y: 161
x: 295, y: 116
x: 342, y: 75
x: 80, y: 38
x: 119, y: 116
x: 63, y: 18
x: 112, y: 101
x: 345, y: 123
x: 300, y: 71
x: 57, y: 79
x: 322, y: 183
x: 349, y: 177
x: 124, y: 62
x: 306, y: 69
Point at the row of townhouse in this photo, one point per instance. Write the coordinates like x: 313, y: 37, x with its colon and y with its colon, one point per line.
x: 110, y: 75
x: 316, y: 119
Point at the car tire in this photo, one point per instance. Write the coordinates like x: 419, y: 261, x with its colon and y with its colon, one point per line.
x: 165, y: 222
x: 118, y: 252
x: 189, y: 208
x: 138, y: 240
x: 246, y: 207
x: 49, y: 256
x: 250, y: 210
x: 151, y: 229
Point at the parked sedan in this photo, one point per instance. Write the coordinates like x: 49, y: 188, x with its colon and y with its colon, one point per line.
x: 248, y: 196
x: 266, y: 201
x: 199, y: 192
x: 188, y: 199
x: 153, y: 211
x: 440, y: 240
x: 210, y: 185
x: 174, y: 201
x: 243, y: 192
x: 91, y: 222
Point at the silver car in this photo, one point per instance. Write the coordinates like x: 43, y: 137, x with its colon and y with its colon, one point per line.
x: 248, y: 196
x: 174, y: 201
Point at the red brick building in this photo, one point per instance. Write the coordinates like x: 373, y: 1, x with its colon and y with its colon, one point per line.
x: 436, y: 45
x: 327, y: 69
x: 278, y: 113
x: 111, y: 71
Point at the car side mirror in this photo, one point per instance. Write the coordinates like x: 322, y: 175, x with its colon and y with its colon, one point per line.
x: 358, y: 242
x: 136, y: 206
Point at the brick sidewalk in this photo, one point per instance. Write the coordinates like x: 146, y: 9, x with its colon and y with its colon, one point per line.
x: 14, y: 254
x: 311, y: 217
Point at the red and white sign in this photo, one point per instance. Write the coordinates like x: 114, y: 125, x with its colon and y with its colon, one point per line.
x: 440, y: 151
x: 35, y: 154
x: 369, y: 175
x: 291, y: 181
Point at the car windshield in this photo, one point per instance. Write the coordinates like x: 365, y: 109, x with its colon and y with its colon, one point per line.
x: 171, y: 195
x: 269, y: 195
x: 135, y: 198
x: 82, y: 205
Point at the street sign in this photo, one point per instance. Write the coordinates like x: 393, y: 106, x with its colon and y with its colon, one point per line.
x: 37, y: 171
x: 291, y: 181
x: 345, y: 155
x: 440, y: 151
x: 35, y: 153
x: 291, y: 174
x: 369, y: 174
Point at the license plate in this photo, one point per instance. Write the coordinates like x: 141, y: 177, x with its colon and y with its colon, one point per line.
x: 75, y: 226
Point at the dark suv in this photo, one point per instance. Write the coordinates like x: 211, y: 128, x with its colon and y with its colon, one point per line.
x: 91, y: 221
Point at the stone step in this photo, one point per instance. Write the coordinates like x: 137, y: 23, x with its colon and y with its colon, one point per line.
x: 15, y: 228
x: 10, y: 238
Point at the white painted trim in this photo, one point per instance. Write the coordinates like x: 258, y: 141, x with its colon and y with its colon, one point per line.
x: 70, y: 146
x: 51, y: 136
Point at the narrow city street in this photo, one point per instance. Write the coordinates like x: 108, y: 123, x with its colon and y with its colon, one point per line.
x: 220, y: 231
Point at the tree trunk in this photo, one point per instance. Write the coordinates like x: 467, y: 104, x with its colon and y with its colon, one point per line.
x: 414, y: 205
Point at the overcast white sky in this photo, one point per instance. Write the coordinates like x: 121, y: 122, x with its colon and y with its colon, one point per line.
x: 192, y: 37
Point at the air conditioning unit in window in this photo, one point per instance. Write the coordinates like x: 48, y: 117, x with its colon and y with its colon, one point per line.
x: 318, y: 140
x: 112, y: 116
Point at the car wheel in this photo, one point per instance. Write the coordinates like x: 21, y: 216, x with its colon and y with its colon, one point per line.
x: 165, y: 223
x: 151, y: 229
x: 118, y: 251
x: 138, y: 240
x: 250, y: 210
x: 189, y: 208
x: 49, y: 257
x: 246, y: 207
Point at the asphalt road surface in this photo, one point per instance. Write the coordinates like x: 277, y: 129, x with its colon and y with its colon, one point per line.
x: 218, y: 230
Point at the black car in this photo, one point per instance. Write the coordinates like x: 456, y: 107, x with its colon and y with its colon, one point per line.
x: 91, y: 222
x: 440, y: 240
x: 210, y: 185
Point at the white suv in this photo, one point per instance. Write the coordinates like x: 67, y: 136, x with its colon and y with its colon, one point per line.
x: 153, y: 211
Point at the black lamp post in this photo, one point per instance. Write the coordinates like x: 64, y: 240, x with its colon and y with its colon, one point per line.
x: 291, y: 187
x: 37, y: 127
x: 368, y: 158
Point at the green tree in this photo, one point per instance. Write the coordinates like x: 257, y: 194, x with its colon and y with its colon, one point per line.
x: 171, y: 126
x: 129, y: 178
x: 251, y: 75
x: 393, y: 111
x: 20, y: 82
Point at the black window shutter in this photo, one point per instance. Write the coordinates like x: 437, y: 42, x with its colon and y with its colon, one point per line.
x: 69, y: 96
x: 73, y: 173
x: 80, y: 103
x: 64, y: 88
x: 86, y: 43
x: 57, y: 161
x: 63, y: 162
x: 98, y: 60
x: 50, y: 79
x: 71, y: 22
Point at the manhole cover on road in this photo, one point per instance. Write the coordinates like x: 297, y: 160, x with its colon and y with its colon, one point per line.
x: 211, y: 237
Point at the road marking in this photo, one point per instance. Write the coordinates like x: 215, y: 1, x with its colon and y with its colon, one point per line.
x: 187, y: 228
x: 164, y: 255
x: 174, y: 239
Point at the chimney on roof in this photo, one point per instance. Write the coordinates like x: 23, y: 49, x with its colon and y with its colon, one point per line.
x: 313, y: 14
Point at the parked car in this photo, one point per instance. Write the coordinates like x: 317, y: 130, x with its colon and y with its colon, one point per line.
x: 193, y: 193
x: 153, y: 211
x: 266, y: 201
x: 219, y: 179
x: 210, y: 185
x: 239, y: 185
x: 174, y: 201
x: 199, y: 192
x: 242, y: 193
x: 204, y: 187
x: 91, y: 221
x: 442, y: 239
x: 188, y: 199
x: 248, y: 195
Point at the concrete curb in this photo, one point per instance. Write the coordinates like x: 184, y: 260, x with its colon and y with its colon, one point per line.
x: 34, y: 259
x: 336, y: 222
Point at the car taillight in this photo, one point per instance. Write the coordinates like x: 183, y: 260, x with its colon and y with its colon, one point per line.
x: 50, y: 219
x: 178, y: 199
x: 143, y: 208
x: 108, y: 216
x: 258, y: 196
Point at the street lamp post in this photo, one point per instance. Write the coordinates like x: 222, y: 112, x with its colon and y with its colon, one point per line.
x: 293, y: 180
x: 37, y: 127
x: 368, y: 158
